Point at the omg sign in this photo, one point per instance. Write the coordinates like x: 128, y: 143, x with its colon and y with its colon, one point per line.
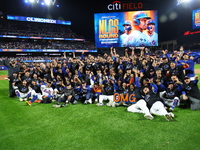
x: 126, y: 98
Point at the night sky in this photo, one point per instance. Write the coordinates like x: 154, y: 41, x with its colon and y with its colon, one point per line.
x: 173, y: 19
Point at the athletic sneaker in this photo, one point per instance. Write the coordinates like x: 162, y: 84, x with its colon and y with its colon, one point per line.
x: 96, y: 100
x: 90, y: 101
x: 38, y: 101
x: 168, y: 117
x: 29, y: 103
x: 172, y: 115
x: 57, y: 106
x: 86, y: 102
x: 99, y: 104
x: 75, y: 102
x: 63, y: 105
x: 149, y: 116
x: 171, y: 109
x: 115, y: 104
x: 53, y: 100
x: 109, y: 103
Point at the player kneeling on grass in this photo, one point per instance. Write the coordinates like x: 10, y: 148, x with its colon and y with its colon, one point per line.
x: 45, y: 97
x: 170, y: 96
x: 149, y: 104
x: 190, y: 93
x: 58, y: 90
x: 66, y: 97
x: 22, y: 90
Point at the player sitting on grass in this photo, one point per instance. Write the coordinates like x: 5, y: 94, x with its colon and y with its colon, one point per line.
x: 22, y: 90
x: 47, y: 94
x: 66, y: 97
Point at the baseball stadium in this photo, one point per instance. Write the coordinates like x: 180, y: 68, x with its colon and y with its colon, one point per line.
x: 90, y: 75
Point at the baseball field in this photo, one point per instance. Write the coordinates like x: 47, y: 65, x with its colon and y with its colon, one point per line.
x: 89, y: 127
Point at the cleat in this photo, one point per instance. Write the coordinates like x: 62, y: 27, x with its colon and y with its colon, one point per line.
x: 86, y: 102
x: 38, y: 101
x: 53, y: 100
x: 21, y: 99
x: 149, y: 116
x: 25, y: 99
x: 168, y: 117
x: 63, y: 105
x: 115, y: 104
x: 75, y: 102
x: 171, y: 109
x: 172, y: 115
x: 57, y: 106
x: 96, y: 101
x: 29, y: 103
x: 109, y: 103
x: 99, y: 104
x: 90, y: 101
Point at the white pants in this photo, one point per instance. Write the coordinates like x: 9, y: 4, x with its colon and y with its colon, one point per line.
x: 105, y: 97
x: 33, y: 93
x: 169, y: 102
x: 139, y: 107
x: 23, y: 95
x: 158, y: 109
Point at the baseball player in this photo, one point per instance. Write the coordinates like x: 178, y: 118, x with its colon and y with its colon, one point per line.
x: 127, y: 30
x: 137, y: 37
x: 151, y: 34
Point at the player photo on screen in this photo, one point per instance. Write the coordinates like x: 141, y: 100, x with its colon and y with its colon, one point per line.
x: 126, y: 29
x: 196, y: 18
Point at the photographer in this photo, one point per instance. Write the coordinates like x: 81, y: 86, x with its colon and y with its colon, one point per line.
x: 12, y: 67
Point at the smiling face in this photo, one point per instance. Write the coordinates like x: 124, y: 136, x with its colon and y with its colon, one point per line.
x: 187, y: 80
x: 146, y: 90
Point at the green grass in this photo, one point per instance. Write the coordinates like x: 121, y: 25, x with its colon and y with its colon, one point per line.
x: 83, y: 127
x: 3, y: 72
x: 197, y: 66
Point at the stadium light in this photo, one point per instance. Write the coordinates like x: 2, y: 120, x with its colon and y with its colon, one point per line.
x: 32, y: 1
x: 47, y: 2
x: 182, y: 1
x: 42, y: 2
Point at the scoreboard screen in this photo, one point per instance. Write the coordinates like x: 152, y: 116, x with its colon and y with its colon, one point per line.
x: 196, y: 18
x: 126, y: 29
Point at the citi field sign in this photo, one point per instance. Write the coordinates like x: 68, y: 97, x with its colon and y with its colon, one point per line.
x: 117, y: 5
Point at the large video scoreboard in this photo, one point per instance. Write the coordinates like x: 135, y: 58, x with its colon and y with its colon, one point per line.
x: 109, y: 29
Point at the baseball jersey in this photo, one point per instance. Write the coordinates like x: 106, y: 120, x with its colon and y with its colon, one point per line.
x: 137, y: 38
x: 46, y: 91
x: 124, y: 40
x: 153, y: 39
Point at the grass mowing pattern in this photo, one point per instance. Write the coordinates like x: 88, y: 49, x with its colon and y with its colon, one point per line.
x: 91, y: 127
x: 3, y: 72
x: 81, y: 127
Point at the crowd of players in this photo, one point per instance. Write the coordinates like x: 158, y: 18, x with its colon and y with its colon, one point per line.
x: 144, y: 83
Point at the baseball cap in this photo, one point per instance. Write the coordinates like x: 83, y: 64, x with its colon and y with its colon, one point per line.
x: 127, y: 22
x: 68, y: 84
x: 170, y: 82
x: 151, y: 70
x: 140, y: 15
x: 186, y: 77
x: 83, y: 82
x: 151, y: 21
